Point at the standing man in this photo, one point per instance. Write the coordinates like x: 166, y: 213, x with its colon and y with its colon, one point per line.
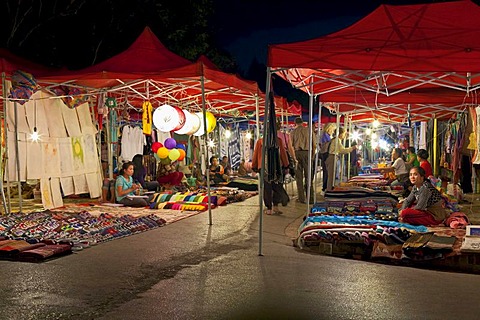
x: 300, y: 141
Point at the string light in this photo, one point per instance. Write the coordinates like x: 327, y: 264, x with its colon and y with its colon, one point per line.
x: 248, y: 136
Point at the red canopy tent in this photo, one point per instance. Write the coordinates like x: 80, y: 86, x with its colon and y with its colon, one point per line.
x: 423, y: 59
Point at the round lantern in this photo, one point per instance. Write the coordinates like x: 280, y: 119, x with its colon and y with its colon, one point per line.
x: 162, y: 152
x: 195, y: 120
x: 182, y: 154
x: 170, y: 143
x: 174, y: 154
x: 211, y: 123
x: 180, y: 146
x: 187, y: 125
x: 156, y: 146
x: 167, y: 118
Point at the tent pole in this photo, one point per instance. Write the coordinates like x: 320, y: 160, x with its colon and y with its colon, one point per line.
x: 350, y: 154
x: 257, y: 116
x: 108, y: 125
x: 2, y: 174
x: 205, y: 137
x: 262, y: 167
x: 336, y: 146
x: 318, y: 151
x: 17, y: 155
x: 310, y: 146
x: 435, y: 133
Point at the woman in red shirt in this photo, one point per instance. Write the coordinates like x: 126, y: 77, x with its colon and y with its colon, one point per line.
x: 422, y: 156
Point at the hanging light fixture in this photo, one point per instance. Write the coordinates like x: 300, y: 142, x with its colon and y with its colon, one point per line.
x: 228, y: 133
x: 211, y: 143
x: 376, y: 123
x: 248, y: 136
x: 368, y: 131
x: 35, y: 136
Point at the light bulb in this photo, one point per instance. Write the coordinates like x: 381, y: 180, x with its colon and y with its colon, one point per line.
x: 355, y: 136
x: 228, y: 133
x: 368, y: 131
x: 375, y: 123
x: 374, y: 135
x: 34, y: 136
x: 211, y: 143
x: 248, y: 136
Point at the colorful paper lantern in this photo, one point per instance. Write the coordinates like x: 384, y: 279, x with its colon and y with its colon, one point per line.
x: 156, y: 146
x: 195, y: 120
x: 188, y: 125
x: 174, y: 154
x: 181, y: 146
x: 162, y: 152
x: 167, y: 118
x: 211, y: 123
x: 170, y: 143
x: 182, y: 154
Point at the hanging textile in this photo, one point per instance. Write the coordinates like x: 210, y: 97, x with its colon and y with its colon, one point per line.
x: 234, y: 153
x: 147, y: 117
x: 272, y: 156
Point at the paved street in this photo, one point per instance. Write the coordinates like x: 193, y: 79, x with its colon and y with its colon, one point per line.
x: 190, y: 270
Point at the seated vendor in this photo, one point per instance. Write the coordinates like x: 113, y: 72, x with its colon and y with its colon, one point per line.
x: 168, y: 177
x: 140, y: 172
x: 398, y: 166
x: 424, y: 204
x: 242, y: 169
x: 227, y: 168
x: 124, y: 187
x: 216, y: 171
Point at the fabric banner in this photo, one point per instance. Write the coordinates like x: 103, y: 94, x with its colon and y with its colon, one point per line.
x: 223, y: 142
x: 35, y: 163
x: 67, y: 186
x: 85, y: 119
x: 422, y: 144
x: 22, y: 125
x: 234, y: 148
x: 66, y: 156
x: 90, y: 154
x: 476, y: 160
x: 80, y: 183
x: 72, y: 124
x: 56, y: 193
x: 94, y: 187
x: 56, y: 126
x: 12, y: 158
x: 46, y: 192
x: 51, y: 155
x: 77, y: 155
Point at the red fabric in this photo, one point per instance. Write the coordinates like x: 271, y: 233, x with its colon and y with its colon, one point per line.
x: 418, y: 217
x: 174, y: 178
x: 424, y: 37
x: 427, y: 167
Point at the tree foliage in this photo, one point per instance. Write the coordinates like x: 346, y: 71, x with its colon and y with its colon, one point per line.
x: 79, y: 33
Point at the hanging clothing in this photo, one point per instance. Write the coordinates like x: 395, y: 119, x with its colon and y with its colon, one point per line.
x: 133, y: 141
x: 147, y: 117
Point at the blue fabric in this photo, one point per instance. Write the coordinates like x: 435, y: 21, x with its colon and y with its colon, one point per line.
x: 355, y: 220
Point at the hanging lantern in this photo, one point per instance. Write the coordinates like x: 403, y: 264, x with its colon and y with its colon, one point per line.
x: 211, y: 123
x: 188, y: 125
x: 195, y: 120
x: 167, y: 118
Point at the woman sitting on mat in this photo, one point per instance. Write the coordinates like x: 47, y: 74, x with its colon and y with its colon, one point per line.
x: 424, y: 204
x: 216, y: 171
x: 398, y: 166
x: 125, y: 188
x: 168, y: 177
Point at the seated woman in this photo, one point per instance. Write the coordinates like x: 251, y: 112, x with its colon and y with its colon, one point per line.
x: 227, y: 168
x: 216, y: 171
x: 422, y: 156
x: 124, y: 187
x: 140, y: 172
x: 398, y: 167
x: 424, y: 204
x: 242, y: 169
x: 412, y: 160
x: 168, y: 177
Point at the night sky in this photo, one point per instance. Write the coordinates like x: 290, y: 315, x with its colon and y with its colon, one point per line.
x: 79, y: 33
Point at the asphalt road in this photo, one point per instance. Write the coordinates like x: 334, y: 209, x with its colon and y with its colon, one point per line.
x: 193, y: 270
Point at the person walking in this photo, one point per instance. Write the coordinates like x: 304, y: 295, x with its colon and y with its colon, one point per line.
x: 301, y: 144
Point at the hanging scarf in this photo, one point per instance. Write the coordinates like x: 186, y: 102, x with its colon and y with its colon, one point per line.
x: 274, y: 166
